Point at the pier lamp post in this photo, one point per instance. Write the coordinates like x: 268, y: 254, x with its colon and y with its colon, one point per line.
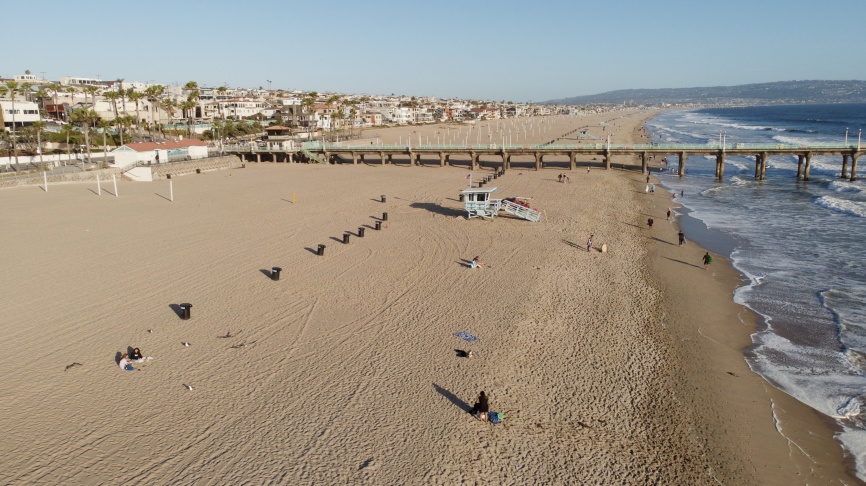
x: 846, y: 137
x: 859, y: 133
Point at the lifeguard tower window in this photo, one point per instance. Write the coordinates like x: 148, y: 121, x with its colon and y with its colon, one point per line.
x: 481, y: 197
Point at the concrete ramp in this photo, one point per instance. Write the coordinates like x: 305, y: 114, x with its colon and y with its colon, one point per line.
x: 139, y: 174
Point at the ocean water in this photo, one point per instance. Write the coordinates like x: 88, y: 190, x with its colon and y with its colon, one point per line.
x: 802, y: 246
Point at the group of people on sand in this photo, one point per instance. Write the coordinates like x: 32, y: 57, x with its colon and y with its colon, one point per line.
x: 481, y: 408
x: 126, y: 360
x: 563, y: 178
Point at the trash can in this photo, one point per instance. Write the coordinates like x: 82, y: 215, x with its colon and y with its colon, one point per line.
x: 383, y: 198
x: 168, y: 176
x: 198, y: 171
x: 496, y: 175
x: 275, y: 273
x: 321, y: 250
x: 346, y: 238
x: 185, y: 311
x: 384, y: 216
x: 378, y: 225
x: 361, y: 232
x: 462, y: 196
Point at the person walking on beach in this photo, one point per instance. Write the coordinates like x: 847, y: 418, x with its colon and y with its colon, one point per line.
x: 669, y: 214
x: 707, y: 260
x: 646, y: 189
x: 682, y: 237
x: 589, y: 244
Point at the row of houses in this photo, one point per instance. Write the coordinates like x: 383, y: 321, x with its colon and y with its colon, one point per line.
x: 294, y: 109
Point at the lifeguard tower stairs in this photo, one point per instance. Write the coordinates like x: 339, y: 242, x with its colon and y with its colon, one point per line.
x: 478, y: 203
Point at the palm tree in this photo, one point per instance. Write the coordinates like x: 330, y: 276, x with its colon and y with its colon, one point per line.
x: 54, y: 88
x: 188, y: 107
x: 91, y: 90
x: 136, y: 96
x: 85, y: 118
x: 122, y: 93
x: 12, y: 88
x: 66, y: 130
x: 104, y: 125
x: 169, y: 106
x: 42, y: 94
x: 154, y: 95
x: 39, y: 126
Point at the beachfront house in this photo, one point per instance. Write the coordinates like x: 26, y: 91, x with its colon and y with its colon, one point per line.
x: 24, y: 114
x: 158, y: 152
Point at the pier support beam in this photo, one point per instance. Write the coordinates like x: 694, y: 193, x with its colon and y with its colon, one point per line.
x: 259, y: 158
x: 854, y: 158
x: 643, y: 164
x: 354, y: 158
x: 800, y: 159
x: 441, y: 159
x: 808, y: 167
x: 757, y: 166
x: 607, y: 159
x: 447, y: 159
x: 391, y: 159
x: 473, y: 160
x: 682, y: 169
x: 538, y: 160
x: 572, y: 157
x: 504, y: 159
x: 720, y: 166
x: 508, y: 162
x: 844, y: 167
x: 382, y: 157
x: 764, y: 157
x: 411, y: 159
x: 362, y: 158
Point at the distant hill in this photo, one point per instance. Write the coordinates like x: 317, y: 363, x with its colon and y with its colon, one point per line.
x: 782, y: 92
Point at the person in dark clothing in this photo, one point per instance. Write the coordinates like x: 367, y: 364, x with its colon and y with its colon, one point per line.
x: 707, y: 260
x: 136, y: 354
x: 682, y: 238
x: 649, y: 222
x: 481, y: 407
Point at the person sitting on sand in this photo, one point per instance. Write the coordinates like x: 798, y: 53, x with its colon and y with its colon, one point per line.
x: 476, y: 263
x: 136, y: 355
x: 481, y: 407
x: 124, y: 363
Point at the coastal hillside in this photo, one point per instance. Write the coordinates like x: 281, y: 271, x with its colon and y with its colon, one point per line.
x: 782, y: 92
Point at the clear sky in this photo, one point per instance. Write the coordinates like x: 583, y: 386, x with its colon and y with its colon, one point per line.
x: 498, y: 50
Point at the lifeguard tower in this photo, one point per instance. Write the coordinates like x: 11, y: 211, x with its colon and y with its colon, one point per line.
x: 478, y: 202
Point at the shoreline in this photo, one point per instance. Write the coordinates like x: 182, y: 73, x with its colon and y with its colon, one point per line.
x: 783, y: 440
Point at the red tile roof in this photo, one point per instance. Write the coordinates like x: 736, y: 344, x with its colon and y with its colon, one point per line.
x: 148, y: 146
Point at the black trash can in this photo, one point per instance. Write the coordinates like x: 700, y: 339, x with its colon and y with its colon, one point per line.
x: 168, y: 176
x: 383, y: 198
x: 321, y: 250
x: 378, y: 225
x: 496, y: 176
x: 361, y: 232
x: 346, y: 238
x: 275, y: 273
x: 384, y: 216
x: 198, y: 171
x: 185, y: 311
x: 462, y: 196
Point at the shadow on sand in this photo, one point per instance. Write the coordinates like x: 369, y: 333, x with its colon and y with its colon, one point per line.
x: 453, y: 398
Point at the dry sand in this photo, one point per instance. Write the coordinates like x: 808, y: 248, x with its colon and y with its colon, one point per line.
x: 616, y: 368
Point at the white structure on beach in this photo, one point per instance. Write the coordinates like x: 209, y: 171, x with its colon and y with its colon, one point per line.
x: 158, y: 152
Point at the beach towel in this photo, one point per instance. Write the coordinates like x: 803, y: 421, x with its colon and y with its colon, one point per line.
x: 494, y: 417
x: 466, y: 336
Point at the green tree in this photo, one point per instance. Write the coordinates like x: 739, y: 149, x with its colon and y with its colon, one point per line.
x: 104, y: 125
x: 67, y: 130
x: 85, y: 117
x: 136, y: 97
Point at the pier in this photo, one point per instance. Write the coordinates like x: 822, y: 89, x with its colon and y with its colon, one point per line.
x: 385, y: 154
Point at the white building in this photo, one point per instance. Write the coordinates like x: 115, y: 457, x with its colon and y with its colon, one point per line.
x: 71, y: 81
x: 158, y: 152
x: 24, y: 114
x: 241, y: 108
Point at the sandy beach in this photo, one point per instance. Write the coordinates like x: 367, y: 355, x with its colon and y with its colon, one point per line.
x: 623, y: 367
